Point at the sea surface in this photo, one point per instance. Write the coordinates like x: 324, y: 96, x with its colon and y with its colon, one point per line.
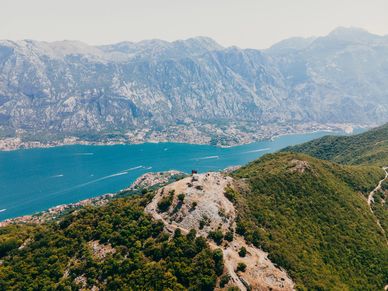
x: 33, y: 180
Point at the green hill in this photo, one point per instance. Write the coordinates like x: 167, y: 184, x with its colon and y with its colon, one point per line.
x: 309, y: 213
x: 370, y: 147
x: 62, y: 255
x: 312, y: 217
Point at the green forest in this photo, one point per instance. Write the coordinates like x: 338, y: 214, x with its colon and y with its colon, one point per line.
x: 144, y: 259
x: 370, y: 147
x: 316, y: 224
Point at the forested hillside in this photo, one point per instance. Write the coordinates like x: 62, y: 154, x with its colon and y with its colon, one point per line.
x: 115, y: 247
x: 370, y: 147
x: 313, y: 219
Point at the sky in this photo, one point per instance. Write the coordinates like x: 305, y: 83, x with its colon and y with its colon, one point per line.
x: 244, y: 23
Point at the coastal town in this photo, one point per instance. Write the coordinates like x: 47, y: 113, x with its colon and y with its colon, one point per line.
x: 232, y: 134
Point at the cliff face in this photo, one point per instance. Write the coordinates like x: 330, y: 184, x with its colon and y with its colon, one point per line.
x: 73, y: 88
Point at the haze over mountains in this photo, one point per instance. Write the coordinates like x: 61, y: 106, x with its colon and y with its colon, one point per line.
x: 71, y: 88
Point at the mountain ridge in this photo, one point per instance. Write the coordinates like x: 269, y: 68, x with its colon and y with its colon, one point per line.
x: 49, y: 91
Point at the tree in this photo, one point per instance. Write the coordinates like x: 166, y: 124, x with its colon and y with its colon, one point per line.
x: 241, y: 267
x: 242, y: 252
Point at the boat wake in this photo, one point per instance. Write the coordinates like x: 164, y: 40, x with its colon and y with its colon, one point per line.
x: 257, y: 151
x: 89, y: 183
x: 205, y: 158
x: 134, y: 168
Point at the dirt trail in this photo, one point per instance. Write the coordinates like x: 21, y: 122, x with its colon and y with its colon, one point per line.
x: 378, y: 188
x: 205, y: 208
x: 371, y: 200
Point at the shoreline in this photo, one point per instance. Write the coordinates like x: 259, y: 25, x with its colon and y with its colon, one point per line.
x: 146, y: 181
x: 37, y: 215
x: 16, y: 143
x: 55, y: 211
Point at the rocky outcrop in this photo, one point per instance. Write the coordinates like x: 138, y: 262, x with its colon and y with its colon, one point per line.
x: 198, y: 202
x: 100, y: 251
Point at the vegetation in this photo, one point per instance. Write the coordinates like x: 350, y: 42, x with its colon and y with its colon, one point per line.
x: 165, y: 203
x: 58, y: 255
x: 181, y: 197
x: 241, y: 267
x: 380, y: 207
x: 229, y: 236
x: 230, y: 194
x: 313, y: 221
x: 217, y: 236
x: 242, y: 252
x: 224, y: 280
x: 370, y: 147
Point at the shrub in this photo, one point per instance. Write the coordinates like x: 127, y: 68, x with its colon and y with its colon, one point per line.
x: 224, y: 280
x: 242, y: 252
x: 181, y: 197
x: 8, y: 245
x: 229, y: 236
x: 165, y: 203
x: 241, y: 267
x: 221, y: 212
x: 218, y: 258
x: 230, y: 194
x: 194, y: 205
x: 217, y: 236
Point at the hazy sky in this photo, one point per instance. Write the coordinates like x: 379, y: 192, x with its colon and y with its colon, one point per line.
x: 245, y: 23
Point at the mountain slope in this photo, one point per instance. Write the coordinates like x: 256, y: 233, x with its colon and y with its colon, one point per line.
x: 370, y: 147
x: 52, y: 90
x: 116, y: 246
x: 310, y: 216
x: 313, y: 220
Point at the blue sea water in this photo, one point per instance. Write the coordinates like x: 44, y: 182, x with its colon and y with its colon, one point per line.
x: 36, y: 179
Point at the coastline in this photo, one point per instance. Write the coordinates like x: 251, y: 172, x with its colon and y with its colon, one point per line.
x: 239, y: 138
x: 53, y: 211
x: 145, y: 181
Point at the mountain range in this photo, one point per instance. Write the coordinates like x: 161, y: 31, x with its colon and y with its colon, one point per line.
x: 68, y: 88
